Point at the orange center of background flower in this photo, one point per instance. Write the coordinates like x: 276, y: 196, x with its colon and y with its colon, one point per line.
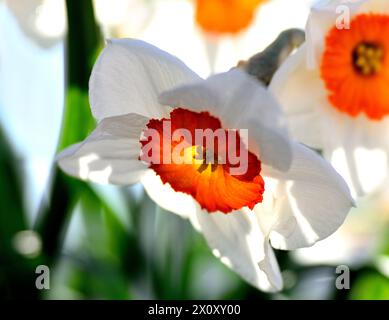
x: 355, y: 66
x: 209, y: 182
x: 225, y: 16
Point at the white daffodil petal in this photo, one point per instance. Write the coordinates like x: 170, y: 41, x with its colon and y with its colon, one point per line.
x: 374, y: 6
x: 267, y: 211
x: 164, y: 195
x: 110, y: 154
x: 240, y: 102
x: 316, y: 201
x: 358, y: 149
x: 237, y: 239
x: 128, y: 77
x: 301, y: 93
x: 229, y: 96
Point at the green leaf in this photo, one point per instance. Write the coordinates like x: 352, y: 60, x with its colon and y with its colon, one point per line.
x: 83, y: 44
x: 12, y: 217
x: 55, y: 214
x: 78, y: 121
x: 17, y: 272
x: 371, y: 286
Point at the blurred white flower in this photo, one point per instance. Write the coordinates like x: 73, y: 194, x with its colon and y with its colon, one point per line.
x: 334, y: 89
x: 42, y: 20
x: 174, y: 29
x: 136, y: 87
x: 123, y: 17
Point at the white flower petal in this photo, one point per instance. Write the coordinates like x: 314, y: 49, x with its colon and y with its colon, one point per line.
x: 358, y: 149
x: 300, y: 93
x: 128, y: 77
x: 316, y: 201
x: 267, y: 211
x: 240, y: 102
x: 164, y: 195
x: 237, y: 239
x: 374, y: 6
x: 110, y: 154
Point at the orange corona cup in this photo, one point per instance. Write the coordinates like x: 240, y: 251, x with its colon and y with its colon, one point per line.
x: 225, y: 16
x: 203, y: 169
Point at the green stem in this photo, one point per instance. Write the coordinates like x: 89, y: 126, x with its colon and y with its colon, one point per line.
x: 83, y: 43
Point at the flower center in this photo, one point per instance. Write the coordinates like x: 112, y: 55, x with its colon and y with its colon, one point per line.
x: 203, y: 159
x: 195, y: 155
x: 368, y: 58
x: 355, y: 67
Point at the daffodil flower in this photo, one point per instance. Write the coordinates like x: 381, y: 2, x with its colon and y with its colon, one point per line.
x: 335, y: 89
x: 287, y: 197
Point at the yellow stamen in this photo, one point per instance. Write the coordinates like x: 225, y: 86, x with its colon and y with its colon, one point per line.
x: 202, y: 159
x: 368, y: 58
